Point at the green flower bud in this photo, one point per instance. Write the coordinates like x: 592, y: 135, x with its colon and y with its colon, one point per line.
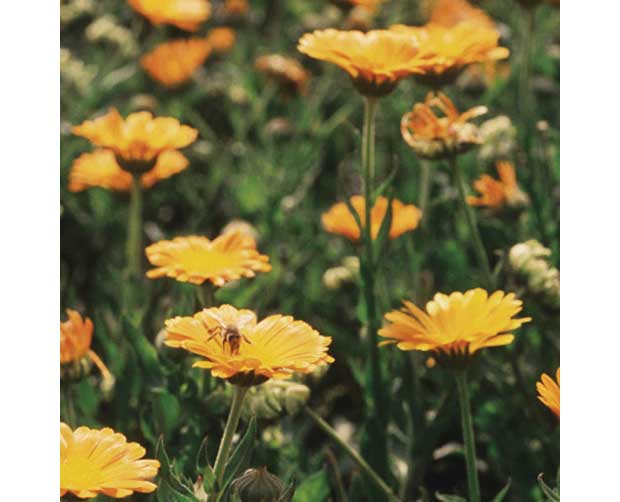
x: 259, y: 485
x: 274, y: 398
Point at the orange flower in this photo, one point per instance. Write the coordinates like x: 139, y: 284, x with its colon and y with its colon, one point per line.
x: 452, y: 12
x: 94, y: 461
x: 235, y: 8
x: 433, y: 137
x: 288, y: 72
x: 221, y: 39
x: 197, y: 259
x: 549, y: 392
x: 375, y: 60
x: 370, y: 5
x: 173, y: 63
x: 496, y: 193
x: 339, y: 220
x: 185, y: 14
x: 100, y: 169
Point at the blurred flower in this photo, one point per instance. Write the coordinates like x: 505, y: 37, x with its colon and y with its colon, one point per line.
x: 498, y: 193
x: 221, y: 39
x: 359, y: 18
x: 197, y: 259
x: 478, y: 77
x: 74, y: 9
x: 431, y: 136
x: 274, y: 398
x: 185, y: 14
x: 101, y: 461
x: 453, y: 48
x: 549, y: 392
x: 335, y: 277
x: 276, y: 347
x: 375, y: 60
x: 100, y: 169
x: 339, y: 220
x: 236, y: 8
x: 107, y: 29
x: 529, y: 260
x: 499, y: 138
x: 75, y: 72
x: 370, y: 5
x: 285, y: 71
x: 259, y: 485
x: 138, y: 140
x: 173, y: 63
x: 453, y: 12
x: 279, y: 127
x: 241, y: 226
x: 76, y: 335
x: 455, y: 326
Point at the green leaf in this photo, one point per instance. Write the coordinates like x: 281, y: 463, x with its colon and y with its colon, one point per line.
x: 449, y: 498
x: 147, y: 354
x: 207, y: 469
x: 386, y: 183
x: 167, y: 411
x: 383, y: 238
x: 314, y: 488
x: 355, y: 215
x: 240, y: 456
x: 502, y: 493
x: 173, y: 487
x: 551, y: 494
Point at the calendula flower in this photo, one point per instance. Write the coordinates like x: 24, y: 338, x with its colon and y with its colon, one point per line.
x: 432, y: 136
x: 138, y: 140
x: 339, y: 220
x: 454, y: 47
x: 101, y: 461
x: 173, y: 63
x: 236, y: 8
x: 498, y: 193
x: 197, y: 259
x: 185, y: 14
x: 100, y: 169
x: 455, y: 326
x: 375, y: 60
x: 285, y: 71
x: 236, y: 347
x: 549, y: 392
x: 76, y: 335
x: 452, y: 12
x: 221, y: 39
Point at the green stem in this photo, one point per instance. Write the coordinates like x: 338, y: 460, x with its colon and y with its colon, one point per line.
x: 355, y: 456
x: 134, y: 228
x: 471, y: 223
x: 468, y: 436
x: 229, y: 431
x: 425, y: 188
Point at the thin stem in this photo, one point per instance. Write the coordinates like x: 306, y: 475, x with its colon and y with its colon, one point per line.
x: 229, y: 431
x: 468, y: 436
x: 471, y: 223
x: 355, y: 456
x: 134, y: 228
x: 425, y: 188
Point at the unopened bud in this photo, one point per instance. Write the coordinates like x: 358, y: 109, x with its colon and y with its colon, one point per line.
x: 259, y: 485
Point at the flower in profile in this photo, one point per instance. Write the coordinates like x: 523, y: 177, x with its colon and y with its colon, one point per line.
x: 138, y: 140
x: 285, y: 71
x: 339, y: 220
x: 185, y: 14
x: 197, y: 259
x: 76, y: 335
x: 376, y: 60
x: 236, y: 347
x: 100, y: 169
x: 432, y: 136
x: 221, y: 39
x: 455, y: 326
x: 496, y: 194
x: 101, y: 461
x: 549, y: 392
x: 173, y: 63
x: 454, y: 48
x: 452, y: 12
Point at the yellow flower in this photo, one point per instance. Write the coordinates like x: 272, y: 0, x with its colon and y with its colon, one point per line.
x: 497, y: 193
x: 221, y: 39
x: 139, y: 139
x: 94, y: 461
x: 197, y: 259
x: 173, y: 63
x: 458, y: 324
x: 549, y: 392
x: 237, y: 347
x: 185, y: 14
x: 375, y: 60
x: 100, y: 169
x: 76, y: 335
x: 432, y: 136
x: 454, y: 48
x: 339, y: 220
x: 452, y: 12
x: 286, y: 71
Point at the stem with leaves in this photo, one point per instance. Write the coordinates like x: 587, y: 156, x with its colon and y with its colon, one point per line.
x: 468, y: 435
x: 134, y: 228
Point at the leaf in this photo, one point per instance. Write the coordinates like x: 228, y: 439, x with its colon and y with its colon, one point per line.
x: 240, y: 455
x: 167, y: 411
x: 207, y: 469
x: 173, y: 488
x: 383, y: 237
x: 502, y: 493
x: 355, y: 215
x: 449, y: 498
x: 147, y: 354
x: 552, y: 494
x: 386, y: 183
x: 315, y: 488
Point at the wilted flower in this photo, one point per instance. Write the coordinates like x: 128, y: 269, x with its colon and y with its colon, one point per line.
x: 197, y: 259
x: 549, y: 392
x: 101, y: 461
x: 100, y: 169
x: 529, y: 260
x: 339, y: 220
x: 259, y: 485
x: 185, y: 14
x: 274, y: 398
x: 431, y: 136
x: 455, y: 326
x: 235, y: 347
x: 496, y: 194
x: 107, y: 29
x: 499, y: 138
x: 173, y: 63
x: 285, y: 71
x: 222, y: 39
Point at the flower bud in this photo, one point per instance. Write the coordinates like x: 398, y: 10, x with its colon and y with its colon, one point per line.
x: 275, y: 397
x: 498, y: 137
x: 529, y: 261
x: 259, y: 485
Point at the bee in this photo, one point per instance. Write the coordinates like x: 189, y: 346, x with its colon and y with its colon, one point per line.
x: 229, y: 332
